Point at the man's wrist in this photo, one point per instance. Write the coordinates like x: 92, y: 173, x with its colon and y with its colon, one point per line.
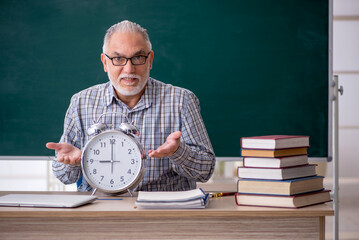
x: 181, y: 154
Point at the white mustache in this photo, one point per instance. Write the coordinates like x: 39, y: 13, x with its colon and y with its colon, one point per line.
x: 126, y: 75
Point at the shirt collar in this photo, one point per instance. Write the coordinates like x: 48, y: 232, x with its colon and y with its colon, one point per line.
x: 110, y: 94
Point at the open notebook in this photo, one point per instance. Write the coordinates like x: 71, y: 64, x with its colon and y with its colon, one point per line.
x: 45, y: 200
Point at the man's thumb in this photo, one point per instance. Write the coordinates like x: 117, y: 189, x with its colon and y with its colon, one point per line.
x: 176, y: 135
x: 52, y: 145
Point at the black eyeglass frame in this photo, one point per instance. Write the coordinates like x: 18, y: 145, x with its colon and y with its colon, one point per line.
x: 111, y: 58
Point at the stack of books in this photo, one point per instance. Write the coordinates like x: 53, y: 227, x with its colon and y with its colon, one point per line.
x: 195, y: 198
x: 276, y: 173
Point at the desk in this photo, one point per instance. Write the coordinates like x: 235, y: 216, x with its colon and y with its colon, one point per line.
x: 118, y: 219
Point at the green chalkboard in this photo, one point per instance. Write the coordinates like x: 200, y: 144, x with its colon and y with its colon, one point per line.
x: 258, y: 67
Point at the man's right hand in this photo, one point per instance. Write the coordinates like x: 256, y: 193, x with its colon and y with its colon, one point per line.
x: 66, y: 153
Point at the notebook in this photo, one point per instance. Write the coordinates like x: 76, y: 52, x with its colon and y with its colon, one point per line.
x: 195, y: 198
x: 45, y: 200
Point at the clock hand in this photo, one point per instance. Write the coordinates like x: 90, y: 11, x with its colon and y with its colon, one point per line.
x: 106, y: 161
x: 112, y: 158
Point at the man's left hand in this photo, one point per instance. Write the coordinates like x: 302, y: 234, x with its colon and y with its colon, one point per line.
x: 168, y: 148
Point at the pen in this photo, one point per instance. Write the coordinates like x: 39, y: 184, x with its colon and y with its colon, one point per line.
x: 222, y: 194
x: 110, y: 199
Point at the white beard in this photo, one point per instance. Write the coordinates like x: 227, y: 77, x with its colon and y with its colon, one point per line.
x: 133, y: 90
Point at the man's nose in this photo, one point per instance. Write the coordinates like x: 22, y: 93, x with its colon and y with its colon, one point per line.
x: 129, y: 67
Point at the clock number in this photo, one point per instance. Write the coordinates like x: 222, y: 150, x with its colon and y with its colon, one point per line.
x: 96, y: 152
x: 129, y: 151
x: 112, y: 182
x: 112, y: 141
x: 103, y: 145
x: 91, y: 161
x: 122, y: 178
x: 94, y: 171
x: 132, y: 161
x: 129, y: 171
x: 102, y: 177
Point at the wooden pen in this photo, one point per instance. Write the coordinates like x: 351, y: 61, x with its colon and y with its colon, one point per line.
x: 222, y: 194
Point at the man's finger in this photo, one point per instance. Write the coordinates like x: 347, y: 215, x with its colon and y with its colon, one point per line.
x: 52, y: 145
x: 60, y: 159
x: 152, y: 153
x: 162, y: 151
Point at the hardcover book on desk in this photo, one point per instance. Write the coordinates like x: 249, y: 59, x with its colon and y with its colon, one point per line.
x: 275, y: 162
x: 280, y: 187
x: 274, y: 146
x: 273, y: 153
x: 296, y: 201
x: 277, y: 173
x: 275, y: 142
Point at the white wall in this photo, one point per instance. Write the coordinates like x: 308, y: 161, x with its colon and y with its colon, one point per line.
x: 30, y: 175
x: 346, y: 66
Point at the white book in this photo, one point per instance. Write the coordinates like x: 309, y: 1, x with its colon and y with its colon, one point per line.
x: 277, y: 173
x: 278, y: 162
x: 274, y: 142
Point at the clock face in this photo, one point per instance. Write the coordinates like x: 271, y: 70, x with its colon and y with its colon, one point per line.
x: 112, y: 161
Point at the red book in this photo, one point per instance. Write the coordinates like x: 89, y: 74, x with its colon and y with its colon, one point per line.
x: 275, y: 142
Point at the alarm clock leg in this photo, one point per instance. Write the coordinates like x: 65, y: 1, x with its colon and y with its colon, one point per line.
x: 94, y: 191
x: 129, y: 191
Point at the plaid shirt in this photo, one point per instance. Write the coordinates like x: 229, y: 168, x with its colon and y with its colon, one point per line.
x: 162, y: 110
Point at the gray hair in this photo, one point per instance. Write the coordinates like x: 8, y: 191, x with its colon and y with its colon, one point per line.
x: 126, y: 26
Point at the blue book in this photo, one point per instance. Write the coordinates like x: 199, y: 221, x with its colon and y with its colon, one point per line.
x: 295, y: 201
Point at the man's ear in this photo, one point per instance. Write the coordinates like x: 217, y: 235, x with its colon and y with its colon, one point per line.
x: 151, y: 56
x: 103, y: 60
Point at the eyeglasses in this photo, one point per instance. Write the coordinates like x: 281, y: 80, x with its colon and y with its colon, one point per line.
x: 122, y: 61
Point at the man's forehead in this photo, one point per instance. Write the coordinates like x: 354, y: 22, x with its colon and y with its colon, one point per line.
x: 127, y: 44
x: 127, y: 40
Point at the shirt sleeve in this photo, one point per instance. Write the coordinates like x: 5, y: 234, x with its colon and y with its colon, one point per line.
x: 69, y: 174
x: 195, y: 158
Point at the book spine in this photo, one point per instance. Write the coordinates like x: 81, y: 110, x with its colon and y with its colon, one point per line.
x: 284, y: 206
x: 273, y: 149
x: 235, y: 198
x: 296, y: 166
